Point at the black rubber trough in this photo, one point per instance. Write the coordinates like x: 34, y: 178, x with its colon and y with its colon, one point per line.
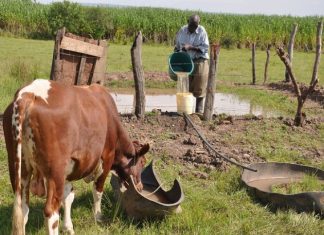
x: 272, y: 174
x: 153, y: 201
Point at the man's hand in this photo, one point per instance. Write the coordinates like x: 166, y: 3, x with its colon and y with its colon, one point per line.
x: 187, y: 47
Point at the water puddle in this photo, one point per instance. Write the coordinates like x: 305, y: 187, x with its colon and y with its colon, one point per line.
x: 223, y: 103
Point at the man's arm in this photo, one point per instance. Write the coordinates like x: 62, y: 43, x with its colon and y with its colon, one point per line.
x: 204, y: 42
x: 188, y: 47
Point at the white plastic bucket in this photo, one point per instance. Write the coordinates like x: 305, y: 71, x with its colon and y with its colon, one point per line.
x: 184, y: 103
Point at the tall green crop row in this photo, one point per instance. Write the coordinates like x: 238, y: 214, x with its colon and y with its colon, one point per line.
x: 160, y: 25
x: 27, y: 19
x: 23, y: 18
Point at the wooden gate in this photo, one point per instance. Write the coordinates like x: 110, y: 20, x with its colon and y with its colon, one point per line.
x: 78, y: 60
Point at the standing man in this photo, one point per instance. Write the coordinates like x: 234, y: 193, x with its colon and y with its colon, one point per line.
x: 193, y: 39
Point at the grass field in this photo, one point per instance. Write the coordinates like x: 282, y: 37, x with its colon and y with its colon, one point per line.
x: 217, y: 205
x: 22, y: 60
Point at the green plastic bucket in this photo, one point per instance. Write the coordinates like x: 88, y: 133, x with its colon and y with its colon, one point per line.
x: 180, y: 62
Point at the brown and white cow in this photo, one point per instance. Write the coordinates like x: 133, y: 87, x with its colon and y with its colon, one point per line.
x: 56, y: 134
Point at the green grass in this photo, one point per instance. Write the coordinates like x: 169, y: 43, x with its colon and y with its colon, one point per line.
x: 275, y: 141
x: 309, y: 183
x: 218, y: 205
x: 21, y: 61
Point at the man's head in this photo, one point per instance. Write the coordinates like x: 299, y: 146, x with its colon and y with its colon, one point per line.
x: 193, y: 23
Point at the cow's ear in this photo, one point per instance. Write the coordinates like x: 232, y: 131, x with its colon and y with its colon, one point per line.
x: 144, y: 149
x: 136, y: 145
x: 136, y: 142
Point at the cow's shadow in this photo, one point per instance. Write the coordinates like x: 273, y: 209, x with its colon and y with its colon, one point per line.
x: 5, y: 219
x: 35, y: 218
x: 111, y: 210
x: 36, y: 213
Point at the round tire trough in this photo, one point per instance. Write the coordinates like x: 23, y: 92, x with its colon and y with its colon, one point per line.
x: 272, y: 174
x: 153, y: 201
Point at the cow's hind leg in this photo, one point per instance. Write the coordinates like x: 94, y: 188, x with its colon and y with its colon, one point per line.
x: 55, y: 190
x: 24, y: 202
x: 25, y: 182
x: 67, y: 203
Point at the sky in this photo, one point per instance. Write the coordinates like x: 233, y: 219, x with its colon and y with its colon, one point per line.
x: 267, y: 7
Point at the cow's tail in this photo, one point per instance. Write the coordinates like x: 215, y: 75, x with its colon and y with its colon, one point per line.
x: 17, y: 125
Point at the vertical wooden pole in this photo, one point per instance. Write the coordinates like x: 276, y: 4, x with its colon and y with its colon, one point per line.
x: 99, y: 67
x: 93, y: 71
x: 253, y: 64
x: 56, y: 68
x: 318, y: 51
x: 136, y: 54
x: 211, y: 85
x: 267, y: 64
x: 81, y: 68
x: 291, y: 49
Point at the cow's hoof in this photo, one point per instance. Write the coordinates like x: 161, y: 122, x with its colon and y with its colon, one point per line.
x: 99, y: 218
x: 68, y: 231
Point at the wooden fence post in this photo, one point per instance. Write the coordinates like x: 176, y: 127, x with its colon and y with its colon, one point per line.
x: 136, y: 54
x: 56, y: 68
x: 99, y: 70
x: 267, y: 64
x: 253, y: 64
x: 318, y: 50
x: 291, y: 49
x: 211, y: 85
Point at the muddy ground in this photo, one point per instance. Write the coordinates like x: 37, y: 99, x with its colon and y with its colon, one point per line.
x: 170, y: 137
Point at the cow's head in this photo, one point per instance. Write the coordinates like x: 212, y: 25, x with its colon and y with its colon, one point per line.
x: 134, y: 165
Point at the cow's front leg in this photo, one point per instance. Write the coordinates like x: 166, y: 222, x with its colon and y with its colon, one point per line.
x: 67, y: 204
x: 53, y: 223
x: 99, y: 182
x: 97, y: 196
x: 98, y: 191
